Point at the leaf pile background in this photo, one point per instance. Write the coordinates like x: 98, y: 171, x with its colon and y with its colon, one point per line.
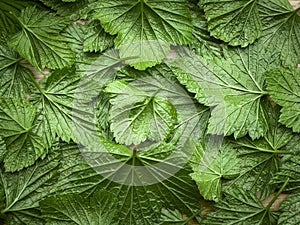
x: 145, y: 112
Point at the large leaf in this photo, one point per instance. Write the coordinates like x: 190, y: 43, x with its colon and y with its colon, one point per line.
x: 24, y: 190
x: 145, y: 29
x: 63, y: 109
x: 215, y: 164
x: 234, y: 86
x: 133, y: 175
x: 99, y: 209
x: 136, y: 116
x: 240, y: 207
x: 15, y: 80
x: 290, y: 209
x: 281, y: 25
x: 23, y: 145
x: 237, y: 22
x: 261, y: 158
x: 39, y: 40
x: 284, y: 88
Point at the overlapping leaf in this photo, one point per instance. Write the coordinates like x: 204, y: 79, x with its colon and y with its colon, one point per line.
x: 234, y: 86
x: 23, y: 145
x: 214, y: 165
x: 236, y: 22
x: 290, y: 211
x: 145, y: 29
x: 15, y: 80
x: 63, y: 107
x: 281, y: 25
x: 24, y: 190
x: 99, y: 209
x: 39, y: 40
x: 284, y: 88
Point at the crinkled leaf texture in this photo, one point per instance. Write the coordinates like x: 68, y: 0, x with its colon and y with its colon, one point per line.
x: 281, y: 25
x: 241, y: 207
x: 15, y: 80
x: 236, y: 22
x: 23, y: 145
x: 63, y: 107
x: 284, y: 88
x: 125, y: 179
x: 137, y: 115
x: 145, y: 29
x: 99, y: 209
x: 24, y: 190
x: 234, y: 86
x: 216, y: 163
x: 290, y: 209
x: 39, y: 40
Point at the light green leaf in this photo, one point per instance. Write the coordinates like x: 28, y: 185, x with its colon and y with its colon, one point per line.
x: 15, y: 80
x: 290, y: 209
x: 171, y: 217
x: 236, y: 22
x: 178, y: 191
x: 96, y: 39
x: 233, y: 86
x: 145, y: 29
x: 284, y: 88
x: 136, y: 116
x: 39, y: 40
x: 23, y: 145
x: 24, y: 190
x: 2, y: 149
x: 215, y: 165
x: 63, y: 108
x: 74, y: 35
x: 281, y: 25
x: 98, y: 209
x: 243, y: 208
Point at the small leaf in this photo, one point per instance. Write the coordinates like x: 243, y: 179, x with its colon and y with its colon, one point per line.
x: 215, y: 165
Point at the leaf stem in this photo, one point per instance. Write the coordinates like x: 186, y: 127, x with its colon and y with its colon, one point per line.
x: 277, y: 195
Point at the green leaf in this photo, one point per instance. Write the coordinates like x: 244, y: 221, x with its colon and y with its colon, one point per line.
x: 96, y: 39
x: 215, y: 165
x: 63, y: 107
x: 203, y: 41
x: 99, y: 209
x: 241, y: 207
x: 233, y: 86
x: 2, y: 149
x: 135, y: 199
x: 145, y: 29
x: 8, y: 22
x: 236, y: 22
x: 171, y: 217
x: 73, y: 10
x: 290, y: 209
x: 74, y: 35
x: 24, y: 190
x: 15, y: 80
x: 23, y: 145
x: 262, y: 158
x: 281, y: 25
x: 284, y: 88
x: 136, y: 116
x: 39, y: 40
x: 290, y: 166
